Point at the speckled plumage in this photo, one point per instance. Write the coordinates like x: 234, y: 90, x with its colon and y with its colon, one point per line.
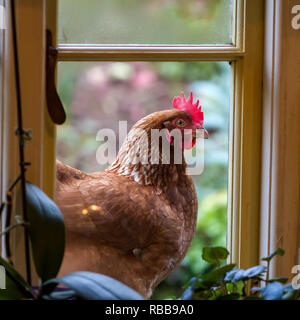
x: 133, y: 222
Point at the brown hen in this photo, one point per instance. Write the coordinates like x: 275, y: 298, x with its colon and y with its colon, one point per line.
x: 134, y: 221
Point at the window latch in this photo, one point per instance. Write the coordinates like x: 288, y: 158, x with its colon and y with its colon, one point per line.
x: 54, y: 104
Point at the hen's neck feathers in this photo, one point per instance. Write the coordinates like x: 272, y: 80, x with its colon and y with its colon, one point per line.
x: 135, y: 158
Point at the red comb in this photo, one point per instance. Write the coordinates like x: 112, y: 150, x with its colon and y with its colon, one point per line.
x: 190, y: 107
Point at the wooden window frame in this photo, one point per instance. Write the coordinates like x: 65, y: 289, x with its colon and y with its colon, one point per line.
x: 250, y: 109
x: 244, y: 136
x: 280, y: 179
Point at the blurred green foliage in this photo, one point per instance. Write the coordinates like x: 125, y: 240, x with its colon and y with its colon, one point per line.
x: 225, y: 282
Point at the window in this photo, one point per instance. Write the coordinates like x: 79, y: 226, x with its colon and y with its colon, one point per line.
x: 227, y: 33
x: 145, y: 22
x: 93, y: 94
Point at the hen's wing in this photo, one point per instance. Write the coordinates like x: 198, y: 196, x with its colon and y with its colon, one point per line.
x: 66, y: 174
x: 115, y: 211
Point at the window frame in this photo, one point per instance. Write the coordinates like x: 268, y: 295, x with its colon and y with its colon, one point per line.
x: 31, y: 19
x: 280, y: 187
x: 246, y: 57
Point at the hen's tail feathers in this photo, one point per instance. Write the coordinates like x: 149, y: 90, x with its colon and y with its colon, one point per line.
x: 65, y: 173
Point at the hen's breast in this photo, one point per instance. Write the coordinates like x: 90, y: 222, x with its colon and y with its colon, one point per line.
x: 134, y: 233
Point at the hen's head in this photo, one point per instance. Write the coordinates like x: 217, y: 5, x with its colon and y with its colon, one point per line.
x: 187, y: 118
x: 143, y: 158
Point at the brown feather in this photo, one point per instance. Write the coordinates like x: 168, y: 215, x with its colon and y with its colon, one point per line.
x: 135, y: 222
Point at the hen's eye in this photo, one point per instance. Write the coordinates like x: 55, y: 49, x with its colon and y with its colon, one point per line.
x: 180, y: 123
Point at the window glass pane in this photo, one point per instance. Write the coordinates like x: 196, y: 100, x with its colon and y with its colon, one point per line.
x: 145, y: 22
x: 99, y: 95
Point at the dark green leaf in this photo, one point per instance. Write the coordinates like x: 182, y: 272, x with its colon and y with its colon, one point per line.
x: 281, y: 280
x: 16, y: 286
x: 214, y: 254
x: 47, y: 232
x: 204, y: 295
x: 272, y: 291
x: 93, y: 286
x: 214, y: 277
x: 192, y: 280
x: 278, y: 252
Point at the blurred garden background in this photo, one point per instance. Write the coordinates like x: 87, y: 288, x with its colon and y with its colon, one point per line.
x: 145, y: 21
x: 97, y: 95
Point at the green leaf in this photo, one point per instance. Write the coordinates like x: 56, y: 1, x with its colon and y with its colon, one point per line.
x: 192, y: 280
x: 278, y: 252
x: 16, y: 287
x: 236, y: 287
x: 214, y: 277
x: 47, y: 232
x: 204, y: 295
x: 214, y: 254
x: 93, y: 286
x: 281, y: 280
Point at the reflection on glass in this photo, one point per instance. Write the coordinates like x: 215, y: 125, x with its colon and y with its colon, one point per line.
x: 145, y: 21
x: 98, y: 95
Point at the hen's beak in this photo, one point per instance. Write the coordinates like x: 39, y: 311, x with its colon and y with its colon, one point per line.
x: 200, y: 133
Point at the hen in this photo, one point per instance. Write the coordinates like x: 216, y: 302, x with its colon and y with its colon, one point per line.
x: 134, y: 221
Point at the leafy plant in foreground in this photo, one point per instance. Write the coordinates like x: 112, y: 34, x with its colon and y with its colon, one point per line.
x: 227, y: 283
